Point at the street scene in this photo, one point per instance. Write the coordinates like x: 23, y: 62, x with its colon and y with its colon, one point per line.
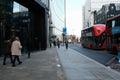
x: 60, y: 40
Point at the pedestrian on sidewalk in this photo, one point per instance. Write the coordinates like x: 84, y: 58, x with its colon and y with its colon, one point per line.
x: 66, y: 44
x: 58, y: 43
x: 50, y: 43
x: 7, y: 52
x: 16, y: 50
x: 54, y: 42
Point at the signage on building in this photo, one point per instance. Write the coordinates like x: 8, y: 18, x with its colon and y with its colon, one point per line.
x: 64, y: 30
x: 116, y: 30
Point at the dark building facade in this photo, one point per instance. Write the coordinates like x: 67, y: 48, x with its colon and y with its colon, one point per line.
x: 39, y: 22
x: 32, y: 26
x: 106, y: 12
x: 6, y: 12
x: 21, y: 27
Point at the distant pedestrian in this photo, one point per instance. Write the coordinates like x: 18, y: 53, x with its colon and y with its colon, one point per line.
x: 16, y: 50
x: 7, y: 52
x: 50, y: 43
x: 54, y: 42
x: 66, y: 44
x: 58, y: 43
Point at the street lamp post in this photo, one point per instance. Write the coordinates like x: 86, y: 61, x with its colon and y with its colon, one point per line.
x: 65, y: 13
x: 64, y: 29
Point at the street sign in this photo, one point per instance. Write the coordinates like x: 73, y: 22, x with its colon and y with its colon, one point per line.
x: 64, y: 29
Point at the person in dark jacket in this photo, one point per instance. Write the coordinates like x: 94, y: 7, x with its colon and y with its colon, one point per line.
x: 66, y: 44
x: 58, y: 43
x: 54, y: 42
x: 7, y: 51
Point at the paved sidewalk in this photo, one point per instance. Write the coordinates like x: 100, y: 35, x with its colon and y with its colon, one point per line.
x: 57, y: 64
x: 79, y: 67
x: 43, y: 65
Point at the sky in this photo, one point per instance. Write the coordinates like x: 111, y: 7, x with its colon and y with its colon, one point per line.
x: 73, y: 15
x: 16, y: 7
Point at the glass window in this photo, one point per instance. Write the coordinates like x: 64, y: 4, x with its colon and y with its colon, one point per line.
x: 117, y: 22
x: 113, y: 23
x: 109, y: 24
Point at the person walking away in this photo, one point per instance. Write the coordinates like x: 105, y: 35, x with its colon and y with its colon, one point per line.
x: 54, y: 42
x: 7, y: 52
x: 16, y: 50
x: 66, y: 44
x: 50, y: 43
x: 58, y: 43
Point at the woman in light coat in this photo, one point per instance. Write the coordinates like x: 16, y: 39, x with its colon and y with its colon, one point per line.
x: 16, y: 50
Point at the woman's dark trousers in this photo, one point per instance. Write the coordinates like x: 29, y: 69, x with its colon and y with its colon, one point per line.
x: 14, y: 60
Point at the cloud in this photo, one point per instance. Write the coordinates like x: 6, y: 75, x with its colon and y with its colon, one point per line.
x: 74, y: 22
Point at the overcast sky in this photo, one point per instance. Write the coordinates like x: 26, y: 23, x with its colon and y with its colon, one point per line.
x: 74, y: 16
x: 16, y: 7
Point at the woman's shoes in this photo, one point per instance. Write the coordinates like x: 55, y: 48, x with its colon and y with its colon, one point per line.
x: 13, y: 65
x: 20, y: 62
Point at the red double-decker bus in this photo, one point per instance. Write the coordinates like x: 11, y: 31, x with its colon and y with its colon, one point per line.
x: 113, y: 34
x: 94, y: 37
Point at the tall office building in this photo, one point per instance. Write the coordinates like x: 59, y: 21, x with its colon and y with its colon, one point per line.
x: 91, y: 6
x: 44, y: 3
